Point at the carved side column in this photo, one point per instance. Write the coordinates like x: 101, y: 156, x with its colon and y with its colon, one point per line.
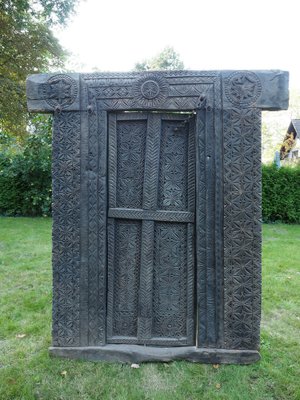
x: 242, y: 212
x: 242, y: 232
x: 96, y: 204
x: 59, y: 94
x: 66, y: 229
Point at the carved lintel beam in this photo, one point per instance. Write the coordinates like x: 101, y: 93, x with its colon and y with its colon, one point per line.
x: 158, y: 90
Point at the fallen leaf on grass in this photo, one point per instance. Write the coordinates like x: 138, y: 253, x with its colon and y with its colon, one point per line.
x: 216, y: 366
x: 135, y: 366
x: 20, y: 335
x: 218, y: 386
x: 63, y: 373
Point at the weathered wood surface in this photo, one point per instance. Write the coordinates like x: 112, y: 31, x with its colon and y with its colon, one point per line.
x: 137, y: 194
x: 138, y: 354
x: 171, y: 90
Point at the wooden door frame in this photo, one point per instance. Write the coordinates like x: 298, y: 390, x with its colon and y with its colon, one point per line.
x: 228, y: 105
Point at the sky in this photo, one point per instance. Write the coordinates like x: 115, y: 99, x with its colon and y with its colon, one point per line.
x: 213, y: 34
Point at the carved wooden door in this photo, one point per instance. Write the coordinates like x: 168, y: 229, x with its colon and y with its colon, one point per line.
x: 151, y: 229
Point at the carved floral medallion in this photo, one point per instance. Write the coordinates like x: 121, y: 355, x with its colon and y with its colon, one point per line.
x: 150, y: 90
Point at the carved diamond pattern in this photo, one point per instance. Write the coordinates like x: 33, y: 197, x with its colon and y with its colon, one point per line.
x: 66, y: 220
x: 126, y: 278
x: 241, y: 228
x: 170, y: 280
x: 96, y: 228
x: 228, y: 168
x: 131, y: 136
x: 173, y: 167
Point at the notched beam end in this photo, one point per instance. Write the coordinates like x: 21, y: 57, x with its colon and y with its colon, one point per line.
x: 48, y: 93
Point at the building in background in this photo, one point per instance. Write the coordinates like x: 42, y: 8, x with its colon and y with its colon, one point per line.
x: 290, y: 148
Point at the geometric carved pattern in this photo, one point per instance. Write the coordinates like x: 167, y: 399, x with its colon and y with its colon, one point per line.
x: 173, y: 188
x: 201, y: 190
x: 97, y: 225
x: 170, y: 281
x: 124, y: 236
x: 242, y: 216
x: 126, y: 278
x: 159, y: 90
x: 151, y: 264
x: 131, y: 137
x: 241, y: 228
x: 66, y: 228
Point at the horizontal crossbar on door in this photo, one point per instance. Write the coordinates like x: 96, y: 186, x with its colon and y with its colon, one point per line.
x: 159, y: 215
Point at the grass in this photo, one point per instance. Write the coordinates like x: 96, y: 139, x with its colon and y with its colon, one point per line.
x: 27, y: 372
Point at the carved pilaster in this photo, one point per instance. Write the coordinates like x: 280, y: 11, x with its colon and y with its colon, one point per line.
x: 66, y: 229
x: 242, y: 232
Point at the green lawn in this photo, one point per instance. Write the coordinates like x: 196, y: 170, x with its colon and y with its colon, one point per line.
x: 27, y: 372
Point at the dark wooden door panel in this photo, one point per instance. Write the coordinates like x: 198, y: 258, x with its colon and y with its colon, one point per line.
x: 151, y: 229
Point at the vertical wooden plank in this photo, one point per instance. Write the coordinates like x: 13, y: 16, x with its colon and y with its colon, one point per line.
x: 191, y: 165
x: 110, y: 275
x: 151, y: 176
x: 124, y: 280
x: 190, y: 285
x: 210, y: 225
x: 219, y: 233
x: 102, y: 227
x: 112, y: 160
x: 146, y: 282
x: 209, y: 231
x: 152, y: 161
x: 93, y: 226
x: 84, y: 229
x: 191, y: 317
x: 66, y: 229
x: 201, y: 227
x: 256, y: 198
x: 242, y: 236
x: 96, y: 185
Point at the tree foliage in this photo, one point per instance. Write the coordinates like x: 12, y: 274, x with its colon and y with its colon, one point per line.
x: 27, y: 45
x: 167, y: 59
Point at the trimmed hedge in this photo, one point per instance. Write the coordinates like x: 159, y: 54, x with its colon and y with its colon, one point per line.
x: 281, y: 194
